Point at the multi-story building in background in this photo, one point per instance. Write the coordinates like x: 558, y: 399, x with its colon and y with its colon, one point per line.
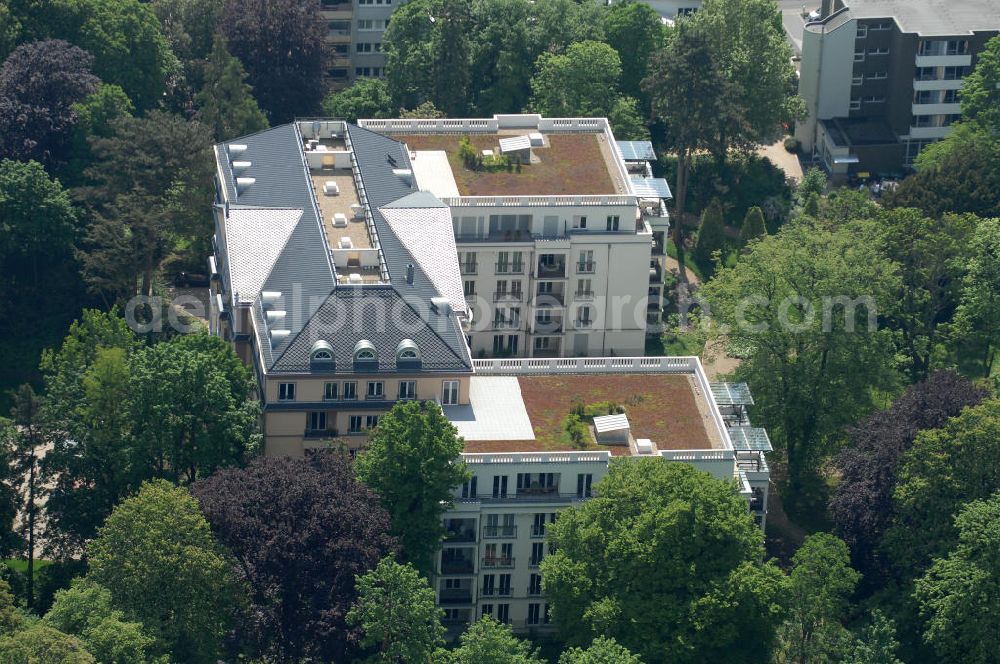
x: 340, y: 275
x: 880, y: 78
x: 354, y: 33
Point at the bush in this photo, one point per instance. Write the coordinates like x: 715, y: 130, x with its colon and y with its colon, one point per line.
x: 577, y: 430
x: 792, y: 144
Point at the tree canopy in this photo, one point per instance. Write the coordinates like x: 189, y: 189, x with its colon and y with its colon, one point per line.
x: 649, y: 516
x: 299, y: 531
x: 601, y: 651
x: 413, y: 463
x: 157, y: 557
x: 582, y: 82
x: 226, y: 105
x: 367, y: 98
x: 487, y: 641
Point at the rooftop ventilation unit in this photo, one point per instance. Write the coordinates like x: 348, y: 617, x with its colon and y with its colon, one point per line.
x: 275, y: 316
x: 240, y: 166
x: 644, y: 445
x: 441, y: 305
x: 404, y: 174
x: 277, y: 336
x: 242, y: 184
x: 236, y: 149
x: 409, y: 274
x: 270, y: 297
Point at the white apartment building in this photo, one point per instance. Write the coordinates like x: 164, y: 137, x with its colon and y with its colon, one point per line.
x: 563, y: 257
x: 337, y: 276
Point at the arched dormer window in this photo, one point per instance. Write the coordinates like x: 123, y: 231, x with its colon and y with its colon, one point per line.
x: 364, y: 351
x: 407, y: 350
x: 321, y: 354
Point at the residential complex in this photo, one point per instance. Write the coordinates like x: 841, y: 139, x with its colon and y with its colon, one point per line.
x: 356, y: 266
x: 354, y: 33
x: 880, y: 78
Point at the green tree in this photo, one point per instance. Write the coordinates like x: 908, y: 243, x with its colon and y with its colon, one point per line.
x: 409, y: 54
x: 11, y: 619
x: 29, y: 443
x: 413, y: 463
x: 144, y: 208
x: 753, y: 225
x: 487, y: 641
x: 425, y: 110
x: 225, y: 103
x: 367, y: 98
x: 959, y: 174
x: 978, y: 314
x: 450, y: 45
x: 944, y: 469
x: 157, y: 557
x: 85, y: 414
x: 582, y: 82
x: 805, y: 302
x: 819, y: 590
x: 503, y: 48
x: 191, y: 408
x: 601, y: 651
x: 395, y: 609
x: 750, y: 48
x: 877, y: 643
x: 980, y: 91
x: 649, y: 516
x: 813, y: 183
x: 711, y: 233
x: 95, y: 117
x: 689, y: 95
x: 634, y: 30
x: 85, y: 610
x: 931, y: 255
x: 40, y: 644
x: 38, y: 230
x: 627, y: 120
x: 959, y: 593
x: 189, y: 25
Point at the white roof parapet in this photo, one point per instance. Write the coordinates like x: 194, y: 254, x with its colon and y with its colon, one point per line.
x: 539, y: 200
x: 599, y: 456
x: 577, y: 365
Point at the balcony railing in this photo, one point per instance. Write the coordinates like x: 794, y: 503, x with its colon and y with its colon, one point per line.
x: 502, y: 324
x: 534, y: 561
x: 510, y: 268
x: 585, y: 267
x: 502, y: 296
x: 583, y: 295
x: 534, y: 592
x: 499, y: 531
x: 545, y: 271
x: 551, y: 326
x: 468, y: 268
x: 457, y: 566
x: 655, y: 275
x: 498, y: 563
x: 320, y: 433
x: 549, y: 299
x: 461, y: 535
x: 537, y: 531
x: 496, y: 592
x: 531, y: 498
x: 583, y: 324
x: 455, y: 596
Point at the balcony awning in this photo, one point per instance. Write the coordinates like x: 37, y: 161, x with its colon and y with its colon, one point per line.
x: 636, y: 150
x: 750, y: 439
x: 732, y: 394
x: 650, y: 187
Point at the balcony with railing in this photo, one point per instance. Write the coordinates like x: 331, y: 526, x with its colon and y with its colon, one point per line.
x: 655, y: 274
x: 498, y: 562
x: 535, y: 561
x: 496, y: 592
x: 586, y: 267
x: 460, y: 530
x: 552, y: 298
x: 583, y: 324
x: 468, y: 268
x: 508, y: 296
x: 538, y: 530
x: 583, y: 295
x: 495, y: 532
x: 554, y: 269
x: 457, y: 563
x: 506, y: 324
x: 509, y: 268
x: 548, y: 325
x: 455, y: 596
x: 314, y: 434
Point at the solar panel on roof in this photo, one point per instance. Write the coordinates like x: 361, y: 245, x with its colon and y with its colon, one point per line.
x: 650, y: 187
x: 750, y: 439
x: 732, y: 394
x: 636, y: 150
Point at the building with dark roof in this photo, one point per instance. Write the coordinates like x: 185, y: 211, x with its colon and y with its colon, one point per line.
x: 881, y: 78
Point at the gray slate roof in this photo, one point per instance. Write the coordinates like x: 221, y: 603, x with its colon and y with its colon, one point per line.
x: 303, y: 270
x: 932, y: 17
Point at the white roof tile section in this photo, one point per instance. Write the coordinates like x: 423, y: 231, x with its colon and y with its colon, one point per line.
x: 434, y: 174
x: 495, y: 412
x: 604, y: 423
x: 255, y: 239
x: 427, y: 233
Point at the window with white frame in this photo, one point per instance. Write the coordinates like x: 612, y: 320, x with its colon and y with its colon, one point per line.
x: 286, y: 391
x: 376, y: 389
x: 350, y: 390
x: 354, y: 424
x: 330, y: 391
x: 407, y: 389
x: 449, y: 392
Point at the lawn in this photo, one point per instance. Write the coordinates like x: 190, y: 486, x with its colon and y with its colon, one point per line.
x: 572, y: 164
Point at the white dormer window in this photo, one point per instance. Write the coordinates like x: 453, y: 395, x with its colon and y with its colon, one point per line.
x: 365, y: 354
x: 322, y: 355
x: 407, y: 350
x: 364, y: 351
x: 321, y: 352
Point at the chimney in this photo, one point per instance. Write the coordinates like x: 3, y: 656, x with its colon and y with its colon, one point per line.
x: 409, y: 274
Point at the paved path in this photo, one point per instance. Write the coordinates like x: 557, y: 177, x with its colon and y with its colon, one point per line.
x: 783, y: 159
